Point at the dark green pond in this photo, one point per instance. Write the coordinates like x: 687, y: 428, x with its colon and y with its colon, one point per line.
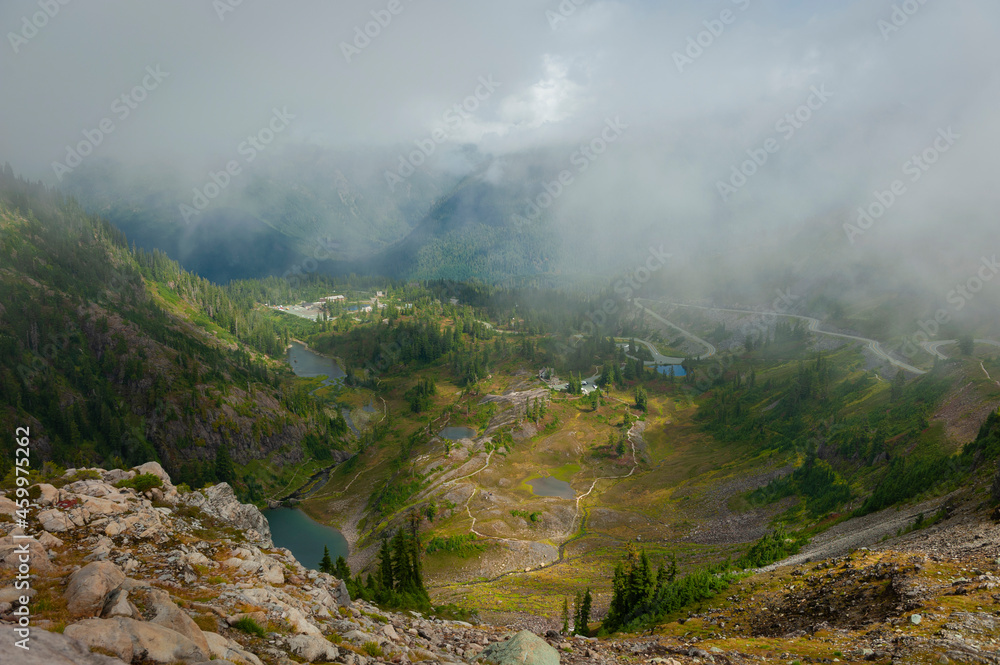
x: 304, y: 536
x: 456, y: 433
x: 549, y: 486
x: 307, y: 364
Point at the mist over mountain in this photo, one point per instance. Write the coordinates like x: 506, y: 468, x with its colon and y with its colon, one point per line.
x: 671, y: 125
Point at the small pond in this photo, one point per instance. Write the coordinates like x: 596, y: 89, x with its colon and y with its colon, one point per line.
x: 665, y: 369
x: 549, y: 486
x: 456, y: 433
x: 308, y: 364
x: 304, y: 536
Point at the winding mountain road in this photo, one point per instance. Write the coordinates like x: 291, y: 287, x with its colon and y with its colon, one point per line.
x: 710, y: 348
x: 934, y: 348
x: 814, y: 327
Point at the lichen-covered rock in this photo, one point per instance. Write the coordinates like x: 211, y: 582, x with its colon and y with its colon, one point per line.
x: 525, y: 648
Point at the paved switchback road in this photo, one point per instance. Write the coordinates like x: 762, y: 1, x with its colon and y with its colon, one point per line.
x: 814, y: 327
x: 710, y: 348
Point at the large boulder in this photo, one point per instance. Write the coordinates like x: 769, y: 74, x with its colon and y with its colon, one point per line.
x: 45, y: 648
x: 12, y: 551
x: 7, y: 506
x: 525, y: 648
x: 138, y: 641
x: 168, y: 615
x: 90, y: 587
x: 220, y: 502
x: 55, y: 520
x: 105, y: 635
x: 313, y: 649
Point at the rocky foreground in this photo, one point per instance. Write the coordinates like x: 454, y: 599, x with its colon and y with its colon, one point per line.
x: 161, y: 577
x: 164, y: 577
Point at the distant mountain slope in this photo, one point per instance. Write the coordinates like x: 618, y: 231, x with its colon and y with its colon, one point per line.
x: 271, y: 217
x: 116, y: 356
x: 477, y: 232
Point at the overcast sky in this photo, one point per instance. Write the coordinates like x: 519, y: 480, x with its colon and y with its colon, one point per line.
x: 889, y: 83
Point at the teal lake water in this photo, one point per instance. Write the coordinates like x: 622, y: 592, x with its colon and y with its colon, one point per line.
x: 304, y: 536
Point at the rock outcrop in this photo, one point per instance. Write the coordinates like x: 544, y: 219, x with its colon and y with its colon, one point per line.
x: 220, y: 502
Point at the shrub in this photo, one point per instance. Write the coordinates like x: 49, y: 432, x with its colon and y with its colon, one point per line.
x: 141, y: 483
x: 85, y: 474
x: 464, y: 545
x: 248, y: 625
x: 372, y: 649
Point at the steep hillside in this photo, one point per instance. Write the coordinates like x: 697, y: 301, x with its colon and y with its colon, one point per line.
x: 115, y: 356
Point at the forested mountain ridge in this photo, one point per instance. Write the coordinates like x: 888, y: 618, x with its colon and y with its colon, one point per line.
x: 115, y: 356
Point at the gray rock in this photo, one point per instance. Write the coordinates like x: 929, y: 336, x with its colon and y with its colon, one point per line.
x: 11, y: 552
x: 312, y: 648
x: 359, y: 637
x: 227, y: 650
x: 118, y: 605
x: 220, y: 502
x: 90, y: 587
x: 47, y: 648
x: 54, y: 520
x: 170, y: 616
x: 525, y: 648
x: 138, y: 640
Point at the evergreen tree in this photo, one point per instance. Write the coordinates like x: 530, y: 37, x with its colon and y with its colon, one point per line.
x: 385, y: 572
x: 326, y: 564
x: 565, y: 616
x: 617, y: 375
x: 341, y: 569
x: 583, y: 620
x: 224, y: 469
x: 641, y: 399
